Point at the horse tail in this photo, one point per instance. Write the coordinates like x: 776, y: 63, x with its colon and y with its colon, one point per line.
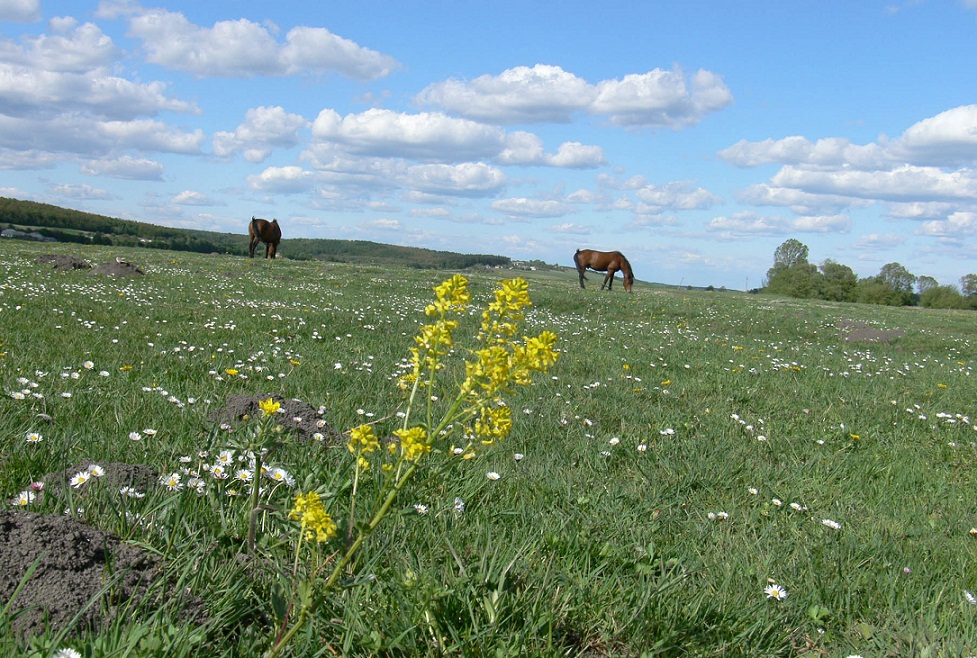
x: 576, y: 261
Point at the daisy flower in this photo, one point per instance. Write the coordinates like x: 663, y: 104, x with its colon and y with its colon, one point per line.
x: 79, y: 479
x: 971, y: 599
x: 34, y: 437
x: 243, y: 475
x: 96, y: 471
x: 24, y: 498
x: 149, y: 431
x: 171, y: 481
x: 828, y: 523
x: 420, y: 509
x: 135, y: 436
x: 775, y: 591
x: 492, y: 475
x: 66, y: 653
x: 130, y: 492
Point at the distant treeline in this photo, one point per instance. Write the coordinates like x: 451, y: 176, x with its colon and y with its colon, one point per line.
x: 66, y: 225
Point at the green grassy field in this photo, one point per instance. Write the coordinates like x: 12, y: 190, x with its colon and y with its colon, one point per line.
x: 686, y: 452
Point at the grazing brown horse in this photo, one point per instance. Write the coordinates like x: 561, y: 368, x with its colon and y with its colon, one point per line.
x: 604, y: 261
x: 261, y: 230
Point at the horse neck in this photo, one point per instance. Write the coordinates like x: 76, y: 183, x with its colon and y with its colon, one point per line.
x: 626, y: 268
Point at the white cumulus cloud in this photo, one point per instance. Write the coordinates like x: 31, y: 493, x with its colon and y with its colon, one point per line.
x: 547, y: 93
x: 263, y: 130
x: 243, y: 48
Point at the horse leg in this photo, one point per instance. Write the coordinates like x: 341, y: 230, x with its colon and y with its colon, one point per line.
x: 608, y: 280
x: 582, y: 277
x: 252, y: 245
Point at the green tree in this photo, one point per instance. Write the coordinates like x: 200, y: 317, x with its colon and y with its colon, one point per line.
x: 792, y: 252
x: 837, y: 282
x: 791, y: 274
x: 899, y: 279
x: 942, y: 297
x: 968, y: 285
x: 925, y: 283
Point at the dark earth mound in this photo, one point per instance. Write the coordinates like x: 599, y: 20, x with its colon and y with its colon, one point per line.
x: 63, y: 262
x: 76, y: 562
x: 295, y: 415
x: 118, y: 267
x: 860, y: 332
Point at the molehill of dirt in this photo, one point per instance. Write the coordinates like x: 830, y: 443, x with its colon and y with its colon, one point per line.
x: 117, y: 267
x: 294, y: 416
x: 860, y: 332
x: 76, y: 561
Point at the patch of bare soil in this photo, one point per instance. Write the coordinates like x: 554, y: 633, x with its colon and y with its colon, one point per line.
x: 860, y: 332
x: 295, y: 415
x: 75, y: 563
x: 62, y: 263
x: 81, y: 566
x: 118, y: 267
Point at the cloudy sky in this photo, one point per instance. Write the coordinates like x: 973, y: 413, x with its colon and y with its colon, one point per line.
x: 693, y: 136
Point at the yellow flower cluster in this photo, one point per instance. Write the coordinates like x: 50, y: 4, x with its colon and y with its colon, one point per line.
x: 493, y: 423
x: 501, y: 361
x: 452, y: 295
x: 312, y: 514
x: 413, y: 443
x: 500, y: 320
x: 362, y: 440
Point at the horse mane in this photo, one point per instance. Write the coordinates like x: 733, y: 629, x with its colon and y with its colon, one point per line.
x: 626, y: 268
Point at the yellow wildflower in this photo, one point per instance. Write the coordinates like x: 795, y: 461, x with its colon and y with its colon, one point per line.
x: 312, y: 514
x: 362, y: 440
x: 413, y: 443
x: 231, y: 371
x: 269, y: 407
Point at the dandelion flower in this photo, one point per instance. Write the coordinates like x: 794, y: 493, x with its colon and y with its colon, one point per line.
x: 269, y: 407
x: 775, y: 591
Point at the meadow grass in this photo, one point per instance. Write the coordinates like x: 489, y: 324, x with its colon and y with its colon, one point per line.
x: 688, y: 450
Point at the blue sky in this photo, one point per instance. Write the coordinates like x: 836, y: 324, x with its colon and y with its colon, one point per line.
x: 693, y: 136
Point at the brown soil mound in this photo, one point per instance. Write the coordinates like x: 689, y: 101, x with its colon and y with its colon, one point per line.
x: 63, y: 262
x: 118, y: 267
x: 295, y: 415
x: 75, y: 562
x: 860, y: 332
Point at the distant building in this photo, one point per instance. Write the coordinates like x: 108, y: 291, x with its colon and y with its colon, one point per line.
x: 14, y: 234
